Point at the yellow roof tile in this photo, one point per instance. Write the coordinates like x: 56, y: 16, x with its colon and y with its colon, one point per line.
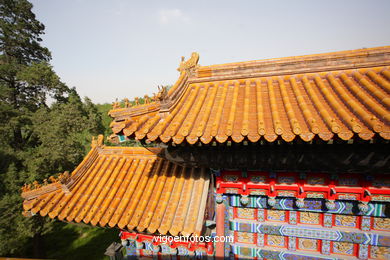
x: 343, y: 94
x: 126, y: 187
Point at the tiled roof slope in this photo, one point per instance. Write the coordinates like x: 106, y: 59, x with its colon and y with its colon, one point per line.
x: 129, y: 188
x: 344, y: 95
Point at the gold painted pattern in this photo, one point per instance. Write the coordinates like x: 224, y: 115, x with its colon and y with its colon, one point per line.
x: 345, y: 221
x: 276, y: 215
x: 230, y: 178
x: 245, y: 237
x: 343, y: 248
x: 307, y: 244
x: 380, y: 252
x: 382, y: 223
x: 314, y: 180
x: 274, y: 240
x: 309, y: 217
x: 286, y: 180
x: 257, y: 179
x: 246, y: 213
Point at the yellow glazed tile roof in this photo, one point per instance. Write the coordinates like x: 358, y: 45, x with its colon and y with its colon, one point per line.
x: 344, y: 95
x: 126, y: 187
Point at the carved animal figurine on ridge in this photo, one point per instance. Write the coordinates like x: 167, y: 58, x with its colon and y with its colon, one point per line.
x: 127, y: 103
x: 162, y: 93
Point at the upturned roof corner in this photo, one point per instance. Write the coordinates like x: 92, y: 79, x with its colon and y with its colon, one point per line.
x: 97, y: 141
x: 160, y: 101
x: 341, y: 95
x: 189, y: 65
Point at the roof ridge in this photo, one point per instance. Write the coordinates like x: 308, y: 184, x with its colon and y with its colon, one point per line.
x: 344, y: 53
x: 333, y: 100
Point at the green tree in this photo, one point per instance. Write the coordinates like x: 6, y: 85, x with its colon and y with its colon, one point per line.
x: 36, y: 139
x: 64, y: 132
x: 106, y: 119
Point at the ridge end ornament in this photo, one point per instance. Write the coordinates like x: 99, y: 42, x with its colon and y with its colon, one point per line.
x: 162, y: 94
x: 97, y: 141
x: 189, y: 65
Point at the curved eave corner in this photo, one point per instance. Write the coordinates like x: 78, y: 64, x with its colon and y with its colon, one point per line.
x: 134, y: 116
x: 114, y: 187
x: 341, y: 96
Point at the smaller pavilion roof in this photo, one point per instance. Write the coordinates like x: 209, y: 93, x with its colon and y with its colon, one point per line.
x: 126, y: 187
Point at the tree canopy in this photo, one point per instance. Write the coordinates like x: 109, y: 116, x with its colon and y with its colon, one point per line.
x: 38, y: 138
x: 20, y: 33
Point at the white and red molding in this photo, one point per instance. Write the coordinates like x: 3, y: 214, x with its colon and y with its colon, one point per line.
x: 356, y: 187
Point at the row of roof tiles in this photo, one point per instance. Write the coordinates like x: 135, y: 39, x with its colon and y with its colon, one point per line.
x: 129, y: 188
x: 338, y: 103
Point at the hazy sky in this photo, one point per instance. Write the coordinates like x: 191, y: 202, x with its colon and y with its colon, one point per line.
x: 117, y: 48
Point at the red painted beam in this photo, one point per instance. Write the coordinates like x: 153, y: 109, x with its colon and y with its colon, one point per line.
x: 300, y: 188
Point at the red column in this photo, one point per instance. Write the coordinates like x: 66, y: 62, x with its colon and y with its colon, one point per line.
x: 220, y: 246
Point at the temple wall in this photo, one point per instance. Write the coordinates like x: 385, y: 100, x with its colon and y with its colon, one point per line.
x: 289, y: 227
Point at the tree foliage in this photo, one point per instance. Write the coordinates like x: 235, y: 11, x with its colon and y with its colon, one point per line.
x: 37, y: 139
x: 20, y: 33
